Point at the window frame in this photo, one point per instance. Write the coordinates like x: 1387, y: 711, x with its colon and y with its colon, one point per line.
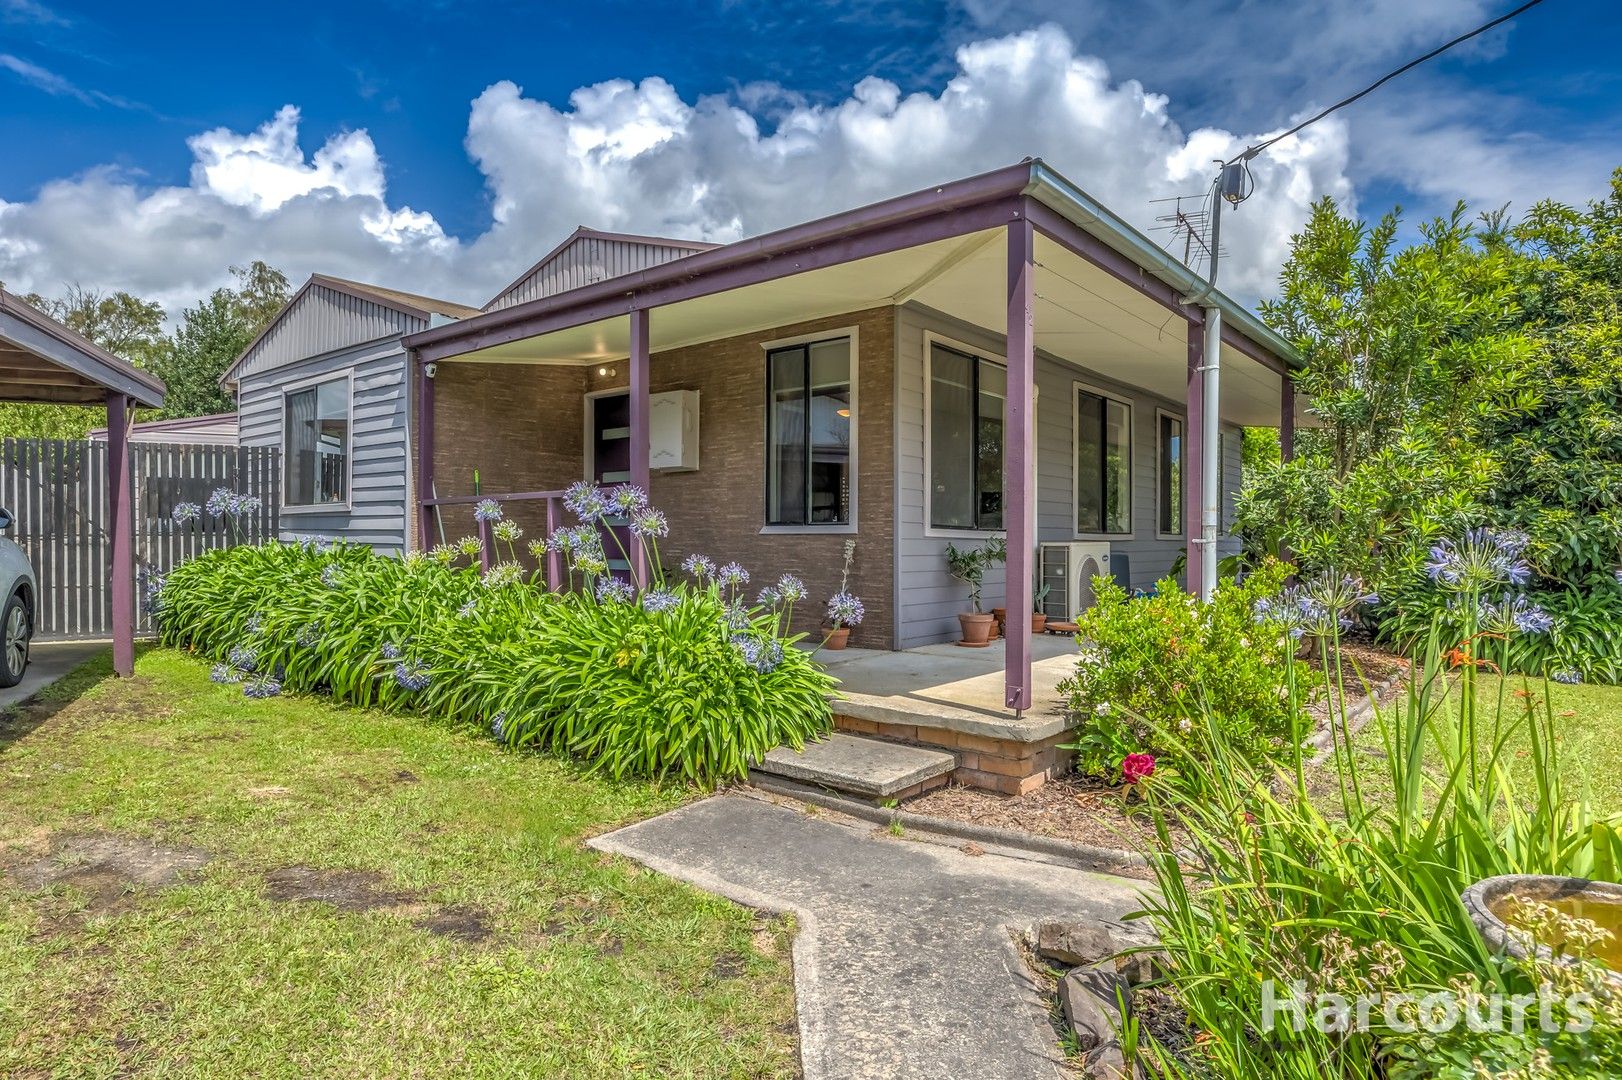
x: 1131, y: 458
x: 1160, y: 478
x: 931, y: 339
x: 852, y: 334
x: 315, y: 382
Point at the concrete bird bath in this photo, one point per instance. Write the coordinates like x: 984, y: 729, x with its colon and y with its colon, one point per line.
x: 1489, y: 901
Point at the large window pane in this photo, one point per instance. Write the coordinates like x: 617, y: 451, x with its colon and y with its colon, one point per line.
x: 952, y: 465
x: 809, y: 418
x: 992, y: 397
x: 315, y: 445
x: 1103, y: 464
x: 830, y: 432
x: 1170, y: 443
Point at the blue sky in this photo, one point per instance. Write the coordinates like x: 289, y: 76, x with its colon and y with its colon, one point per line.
x: 456, y: 179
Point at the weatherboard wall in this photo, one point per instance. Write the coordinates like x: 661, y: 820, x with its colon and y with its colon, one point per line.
x: 378, y: 494
x: 321, y: 320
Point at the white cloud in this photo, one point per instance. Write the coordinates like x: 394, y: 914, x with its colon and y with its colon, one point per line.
x: 639, y: 157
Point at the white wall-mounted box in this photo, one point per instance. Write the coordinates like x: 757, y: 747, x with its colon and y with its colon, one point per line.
x: 673, y: 431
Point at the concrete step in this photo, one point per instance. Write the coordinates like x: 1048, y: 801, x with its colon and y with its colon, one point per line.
x: 871, y: 768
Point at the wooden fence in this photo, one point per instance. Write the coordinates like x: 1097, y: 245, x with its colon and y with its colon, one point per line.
x: 56, y: 490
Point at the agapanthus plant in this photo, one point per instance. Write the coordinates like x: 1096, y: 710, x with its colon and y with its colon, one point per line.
x: 487, y: 512
x: 845, y: 610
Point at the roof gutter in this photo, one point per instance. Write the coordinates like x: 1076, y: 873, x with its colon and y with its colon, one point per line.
x: 1065, y: 198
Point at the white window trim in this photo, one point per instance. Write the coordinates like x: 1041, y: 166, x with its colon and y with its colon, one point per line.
x: 854, y: 335
x: 1075, y: 452
x: 1159, y: 478
x: 588, y: 441
x: 931, y: 339
x: 348, y: 379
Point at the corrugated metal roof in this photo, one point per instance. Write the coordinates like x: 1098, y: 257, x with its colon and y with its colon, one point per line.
x: 330, y: 313
x: 590, y: 255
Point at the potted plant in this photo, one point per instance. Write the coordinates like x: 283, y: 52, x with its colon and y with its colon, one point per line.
x: 968, y: 565
x: 844, y: 610
x: 1039, y: 618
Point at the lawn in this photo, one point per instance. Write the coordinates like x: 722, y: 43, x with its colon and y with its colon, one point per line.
x: 339, y: 892
x: 1587, y: 724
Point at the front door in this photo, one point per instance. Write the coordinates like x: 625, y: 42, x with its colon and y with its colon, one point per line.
x: 610, y: 465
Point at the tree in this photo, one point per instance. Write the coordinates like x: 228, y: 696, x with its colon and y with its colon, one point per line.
x: 212, y: 335
x: 124, y: 325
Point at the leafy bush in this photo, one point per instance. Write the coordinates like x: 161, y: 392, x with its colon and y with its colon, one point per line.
x: 679, y: 678
x: 1356, y: 890
x: 1151, y: 667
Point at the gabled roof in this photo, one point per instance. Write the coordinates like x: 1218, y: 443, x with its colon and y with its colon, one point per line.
x: 413, y: 306
x: 43, y: 361
x: 635, y: 252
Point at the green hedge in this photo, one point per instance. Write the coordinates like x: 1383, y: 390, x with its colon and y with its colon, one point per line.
x: 680, y: 680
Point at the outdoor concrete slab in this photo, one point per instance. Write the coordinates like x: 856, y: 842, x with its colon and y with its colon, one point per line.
x: 857, y: 765
x: 904, y: 962
x: 957, y: 689
x: 48, y: 662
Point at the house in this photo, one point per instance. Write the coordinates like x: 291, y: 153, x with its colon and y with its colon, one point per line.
x: 326, y: 381
x: 853, y: 379
x: 999, y: 356
x: 219, y: 429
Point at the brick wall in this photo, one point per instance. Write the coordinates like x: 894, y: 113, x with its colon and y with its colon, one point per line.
x: 522, y: 427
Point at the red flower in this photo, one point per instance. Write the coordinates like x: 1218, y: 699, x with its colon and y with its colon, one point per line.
x: 1137, y: 768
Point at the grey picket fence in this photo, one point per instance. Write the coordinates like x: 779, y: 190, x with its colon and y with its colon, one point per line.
x: 56, y: 490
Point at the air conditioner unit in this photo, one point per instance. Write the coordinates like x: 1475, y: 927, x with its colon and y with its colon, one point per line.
x: 1068, y: 571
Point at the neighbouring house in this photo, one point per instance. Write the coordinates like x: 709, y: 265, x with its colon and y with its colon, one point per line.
x: 327, y: 381
x: 217, y: 430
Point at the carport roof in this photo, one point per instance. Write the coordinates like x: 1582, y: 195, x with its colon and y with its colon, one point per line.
x: 43, y: 362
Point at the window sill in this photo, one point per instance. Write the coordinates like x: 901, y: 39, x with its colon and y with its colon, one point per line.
x: 316, y: 508
x: 808, y: 530
x: 1111, y: 538
x: 964, y: 534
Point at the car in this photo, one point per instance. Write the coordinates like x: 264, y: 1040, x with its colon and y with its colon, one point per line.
x: 17, y: 616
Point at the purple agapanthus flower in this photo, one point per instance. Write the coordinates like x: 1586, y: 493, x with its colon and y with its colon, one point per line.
x: 224, y: 673
x: 769, y: 596
x: 243, y: 657
x: 627, y: 500
x: 390, y: 651
x: 1516, y: 615
x: 1480, y: 561
x: 649, y: 522
x: 1568, y: 676
x: 498, y: 726
x: 790, y: 589
x: 186, y: 511
x: 309, y: 635
x: 262, y: 687
x: 731, y: 575
x: 585, y: 501
x: 762, y: 654
x: 486, y: 511
x: 737, y: 617
x: 411, y: 674
x: 845, y: 609
x: 222, y: 501
x: 331, y: 576
x: 614, y: 591
x: 701, y: 567
x: 660, y: 600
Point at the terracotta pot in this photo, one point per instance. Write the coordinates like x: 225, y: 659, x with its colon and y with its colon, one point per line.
x: 976, y: 629
x: 1039, y: 622
x: 836, y: 638
x: 1001, y: 628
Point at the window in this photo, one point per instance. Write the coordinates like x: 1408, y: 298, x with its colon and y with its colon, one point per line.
x: 967, y: 396
x: 315, y: 444
x: 1103, y: 464
x: 808, y: 434
x: 1169, y: 445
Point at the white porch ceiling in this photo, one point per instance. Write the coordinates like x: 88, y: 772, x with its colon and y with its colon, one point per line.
x: 1084, y: 316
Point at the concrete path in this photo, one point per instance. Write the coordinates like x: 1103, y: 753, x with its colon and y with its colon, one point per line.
x: 904, y: 963
x: 48, y: 662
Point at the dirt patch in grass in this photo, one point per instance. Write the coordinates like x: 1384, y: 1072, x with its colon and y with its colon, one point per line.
x: 109, y: 870
x: 346, y: 890
x: 457, y: 923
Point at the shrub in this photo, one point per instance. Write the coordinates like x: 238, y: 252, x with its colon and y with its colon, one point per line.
x: 1150, y: 667
x: 676, y: 678
x: 1351, y: 893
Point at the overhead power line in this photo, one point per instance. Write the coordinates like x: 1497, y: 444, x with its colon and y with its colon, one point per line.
x: 1373, y: 86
